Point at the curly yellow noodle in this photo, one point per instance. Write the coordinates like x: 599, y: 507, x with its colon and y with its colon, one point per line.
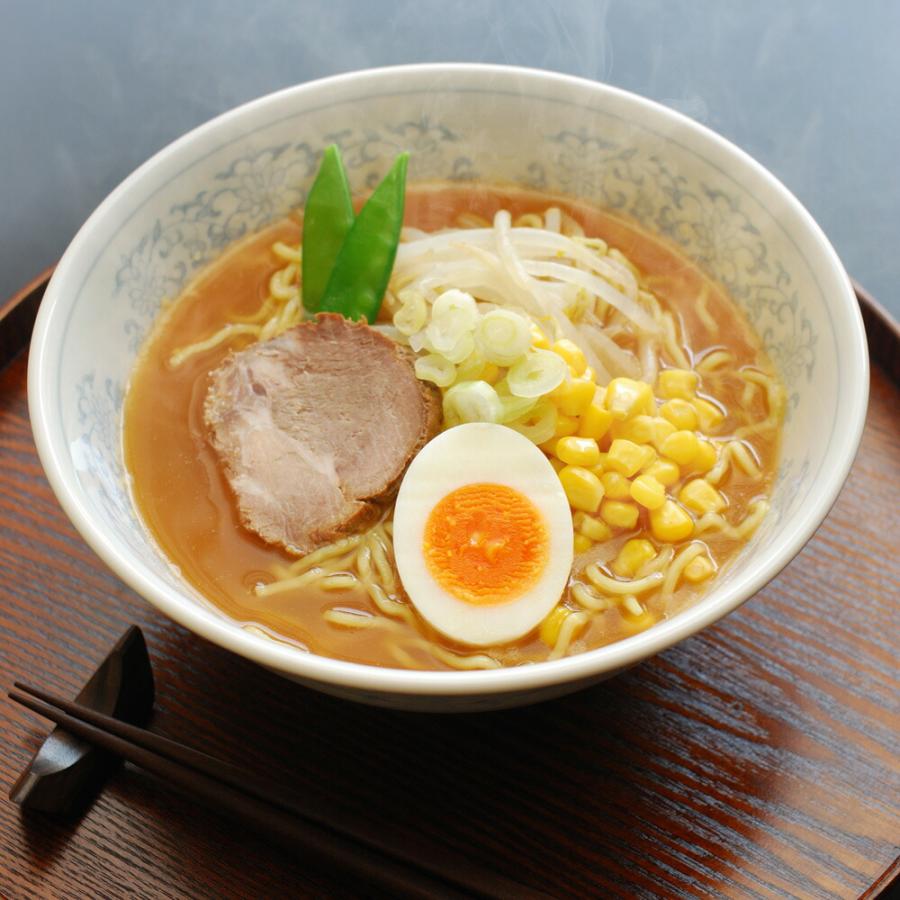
x: 701, y: 306
x: 614, y: 586
x: 675, y: 570
x: 572, y: 624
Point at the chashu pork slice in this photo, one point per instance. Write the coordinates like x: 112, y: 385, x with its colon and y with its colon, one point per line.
x: 316, y: 427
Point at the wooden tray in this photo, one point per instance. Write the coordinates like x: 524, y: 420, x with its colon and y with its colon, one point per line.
x: 756, y: 759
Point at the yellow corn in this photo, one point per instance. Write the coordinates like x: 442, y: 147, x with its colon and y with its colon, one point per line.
x: 705, y: 458
x: 680, y: 414
x: 565, y: 425
x: 664, y: 471
x: 616, y: 486
x: 619, y: 513
x: 578, y: 451
x: 698, y: 569
x: 573, y: 396
x: 626, y: 397
x: 648, y: 455
x: 671, y: 523
x: 632, y: 556
x: 582, y: 543
x: 701, y: 497
x: 549, y: 630
x: 633, y: 623
x: 557, y: 464
x: 595, y: 529
x: 538, y: 338
x: 595, y: 421
x: 625, y: 457
x: 662, y: 428
x: 677, y: 383
x: 647, y: 491
x: 682, y: 446
x: 709, y: 415
x: 582, y: 487
x: 571, y: 353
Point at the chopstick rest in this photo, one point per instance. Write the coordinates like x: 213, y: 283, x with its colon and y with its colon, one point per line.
x: 67, y: 772
x: 263, y: 805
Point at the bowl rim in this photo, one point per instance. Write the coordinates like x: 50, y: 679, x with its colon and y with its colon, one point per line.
x: 315, y: 669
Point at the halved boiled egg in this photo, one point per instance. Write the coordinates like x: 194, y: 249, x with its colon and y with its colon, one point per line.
x: 482, y: 534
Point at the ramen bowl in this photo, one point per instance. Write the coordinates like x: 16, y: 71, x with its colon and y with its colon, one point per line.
x: 253, y: 165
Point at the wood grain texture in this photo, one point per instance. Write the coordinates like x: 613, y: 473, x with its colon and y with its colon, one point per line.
x: 757, y: 759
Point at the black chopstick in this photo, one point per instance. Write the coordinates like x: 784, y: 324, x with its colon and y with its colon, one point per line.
x: 259, y: 802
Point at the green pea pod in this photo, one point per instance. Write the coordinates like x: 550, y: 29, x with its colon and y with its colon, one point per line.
x: 327, y: 220
x: 363, y: 266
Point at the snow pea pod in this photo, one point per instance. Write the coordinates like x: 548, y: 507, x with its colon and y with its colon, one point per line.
x: 363, y: 266
x: 327, y: 220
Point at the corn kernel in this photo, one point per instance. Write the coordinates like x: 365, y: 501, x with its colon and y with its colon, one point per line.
x: 490, y: 373
x: 626, y: 397
x: 578, y: 451
x: 677, y: 383
x: 671, y: 523
x: 565, y: 425
x: 634, y: 624
x: 625, y: 457
x: 538, y: 338
x: 573, y: 396
x: 632, y: 556
x: 619, y: 513
x: 582, y: 543
x: 682, y: 446
x: 698, y: 569
x: 595, y: 529
x: 643, y: 429
x: 595, y: 421
x: 549, y: 630
x: 710, y: 416
x: 571, y: 353
x: 701, y: 497
x: 616, y: 486
x: 680, y: 413
x: 664, y: 471
x: 582, y: 487
x: 648, y: 457
x: 589, y: 374
x: 647, y: 491
x: 639, y: 429
x: 705, y: 458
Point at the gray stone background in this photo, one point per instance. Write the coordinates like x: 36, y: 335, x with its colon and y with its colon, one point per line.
x: 90, y: 88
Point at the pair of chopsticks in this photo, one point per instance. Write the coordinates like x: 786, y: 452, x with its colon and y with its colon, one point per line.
x: 262, y: 804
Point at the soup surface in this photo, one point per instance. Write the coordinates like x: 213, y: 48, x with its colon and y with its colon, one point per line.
x: 186, y: 503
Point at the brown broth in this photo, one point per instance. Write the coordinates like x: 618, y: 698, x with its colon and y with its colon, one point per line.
x: 185, y: 500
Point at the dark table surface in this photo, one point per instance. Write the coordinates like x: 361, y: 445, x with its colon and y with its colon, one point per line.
x: 90, y: 90
x: 756, y: 759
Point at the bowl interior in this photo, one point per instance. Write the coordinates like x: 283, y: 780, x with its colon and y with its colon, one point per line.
x: 255, y: 164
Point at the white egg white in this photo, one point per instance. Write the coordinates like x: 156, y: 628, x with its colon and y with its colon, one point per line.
x: 480, y: 453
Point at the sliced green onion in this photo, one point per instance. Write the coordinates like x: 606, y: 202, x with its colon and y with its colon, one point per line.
x: 537, y: 374
x: 435, y: 369
x: 462, y: 349
x: 513, y: 407
x: 413, y: 313
x: 504, y: 336
x: 539, y: 425
x: 458, y: 304
x: 471, y: 401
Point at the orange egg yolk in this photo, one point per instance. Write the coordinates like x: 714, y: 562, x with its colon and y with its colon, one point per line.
x: 486, y: 543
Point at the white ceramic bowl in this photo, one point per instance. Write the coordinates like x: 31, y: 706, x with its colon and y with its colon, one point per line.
x: 255, y: 163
